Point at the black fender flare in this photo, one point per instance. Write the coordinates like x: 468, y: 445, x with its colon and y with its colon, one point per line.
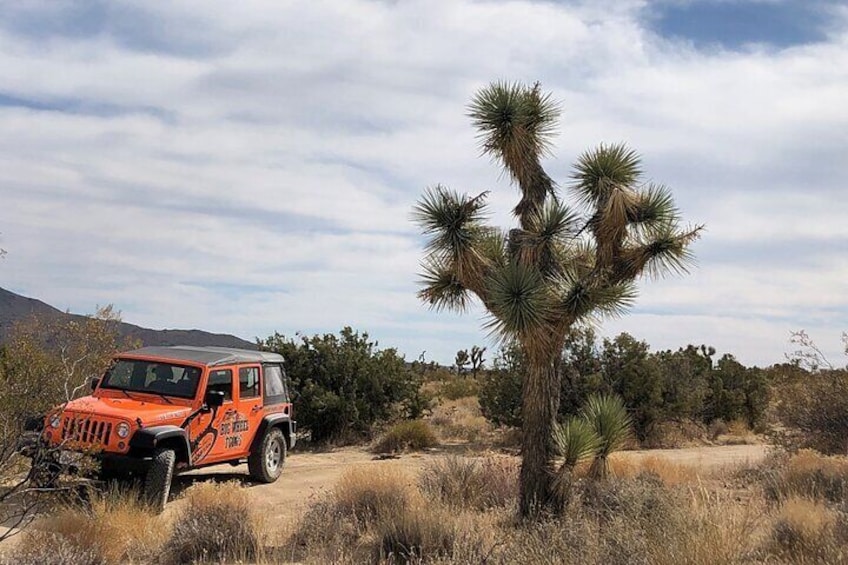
x: 282, y: 421
x: 145, y: 440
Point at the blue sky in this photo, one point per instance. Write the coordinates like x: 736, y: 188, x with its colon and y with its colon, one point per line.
x: 250, y: 167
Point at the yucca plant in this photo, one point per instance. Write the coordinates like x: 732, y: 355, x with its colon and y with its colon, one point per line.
x: 561, y: 265
x: 576, y: 440
x: 607, y: 416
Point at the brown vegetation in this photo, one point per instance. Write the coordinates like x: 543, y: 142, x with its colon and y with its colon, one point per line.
x: 408, y: 435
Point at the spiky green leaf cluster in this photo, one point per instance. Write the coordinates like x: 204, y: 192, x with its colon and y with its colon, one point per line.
x: 561, y: 264
x: 518, y: 300
x: 576, y: 440
x: 608, y: 418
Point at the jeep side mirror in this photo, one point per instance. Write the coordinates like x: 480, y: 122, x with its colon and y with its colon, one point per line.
x: 94, y: 382
x: 214, y: 398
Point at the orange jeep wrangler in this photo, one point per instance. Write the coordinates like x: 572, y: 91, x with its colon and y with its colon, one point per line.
x: 160, y: 410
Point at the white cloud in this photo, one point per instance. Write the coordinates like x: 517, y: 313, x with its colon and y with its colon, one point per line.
x: 252, y: 167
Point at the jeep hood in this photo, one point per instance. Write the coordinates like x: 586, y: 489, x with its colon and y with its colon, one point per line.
x: 150, y: 413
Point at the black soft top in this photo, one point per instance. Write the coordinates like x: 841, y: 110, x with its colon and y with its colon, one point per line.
x: 209, y: 356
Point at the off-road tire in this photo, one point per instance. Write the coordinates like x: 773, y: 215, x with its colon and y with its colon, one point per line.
x: 266, y: 462
x: 157, y: 482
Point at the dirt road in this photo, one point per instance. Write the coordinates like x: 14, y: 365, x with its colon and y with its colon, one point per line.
x: 307, y: 475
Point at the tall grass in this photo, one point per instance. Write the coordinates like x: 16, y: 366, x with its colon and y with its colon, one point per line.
x: 471, y: 483
x: 807, y: 474
x: 114, y: 527
x: 216, y: 523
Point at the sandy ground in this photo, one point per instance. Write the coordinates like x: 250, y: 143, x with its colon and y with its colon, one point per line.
x: 307, y: 475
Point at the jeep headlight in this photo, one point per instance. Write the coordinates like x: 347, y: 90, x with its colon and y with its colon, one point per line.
x: 123, y: 430
x: 55, y: 420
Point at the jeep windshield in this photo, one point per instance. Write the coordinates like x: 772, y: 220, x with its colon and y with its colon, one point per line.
x: 152, y: 377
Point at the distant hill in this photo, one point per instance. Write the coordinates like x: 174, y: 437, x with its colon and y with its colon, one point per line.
x: 14, y: 307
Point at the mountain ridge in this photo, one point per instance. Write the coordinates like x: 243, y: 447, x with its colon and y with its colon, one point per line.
x: 15, y: 307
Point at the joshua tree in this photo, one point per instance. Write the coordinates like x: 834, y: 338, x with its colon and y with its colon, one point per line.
x: 560, y: 265
x: 462, y: 359
x: 477, y: 359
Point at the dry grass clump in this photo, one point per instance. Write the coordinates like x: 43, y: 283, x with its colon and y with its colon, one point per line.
x: 670, y: 473
x: 471, y: 483
x: 371, y: 493
x: 673, y: 435
x: 373, y: 513
x: 412, y: 435
x: 40, y: 548
x: 806, y: 531
x: 632, y: 520
x: 112, y: 528
x: 456, y: 388
x: 808, y: 474
x: 636, y: 519
x: 216, y: 524
x: 460, y: 419
x: 419, y: 533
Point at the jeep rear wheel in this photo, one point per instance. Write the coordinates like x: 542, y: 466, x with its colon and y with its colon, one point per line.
x: 266, y: 462
x: 157, y: 482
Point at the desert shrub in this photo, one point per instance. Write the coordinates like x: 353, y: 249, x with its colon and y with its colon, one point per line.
x: 113, y: 528
x: 370, y: 493
x: 38, y: 548
x: 500, y: 397
x: 806, y: 474
x: 45, y: 361
x: 324, y: 534
x: 668, y: 472
x: 674, y: 434
x: 409, y: 435
x: 345, y: 385
x: 805, y: 531
x: 718, y: 427
x: 635, y: 520
x: 460, y: 419
x: 680, y: 386
x: 643, y: 498
x: 471, y: 483
x: 217, y: 523
x: 815, y: 406
x: 416, y: 535
x: 456, y: 388
x: 333, y: 528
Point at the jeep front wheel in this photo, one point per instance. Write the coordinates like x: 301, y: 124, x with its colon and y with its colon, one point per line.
x: 157, y: 482
x: 266, y: 462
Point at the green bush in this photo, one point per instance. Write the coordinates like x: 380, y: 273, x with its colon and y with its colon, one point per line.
x: 343, y: 385
x: 669, y: 386
x: 410, y: 435
x: 815, y: 407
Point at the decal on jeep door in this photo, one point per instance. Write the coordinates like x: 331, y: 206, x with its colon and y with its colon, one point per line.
x: 232, y: 429
x: 202, y: 444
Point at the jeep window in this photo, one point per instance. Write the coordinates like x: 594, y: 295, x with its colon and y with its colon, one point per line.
x: 152, y: 376
x: 221, y: 381
x: 248, y: 382
x: 275, y: 388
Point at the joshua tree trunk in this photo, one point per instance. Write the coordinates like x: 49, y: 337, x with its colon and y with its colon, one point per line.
x: 540, y: 403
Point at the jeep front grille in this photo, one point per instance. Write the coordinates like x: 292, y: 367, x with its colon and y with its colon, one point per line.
x: 87, y: 431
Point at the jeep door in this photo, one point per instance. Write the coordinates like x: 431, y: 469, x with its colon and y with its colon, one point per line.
x: 205, y: 428
x: 249, y: 406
